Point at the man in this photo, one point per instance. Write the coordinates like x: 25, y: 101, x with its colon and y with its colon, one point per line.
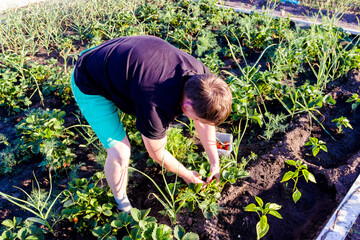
x: 147, y: 77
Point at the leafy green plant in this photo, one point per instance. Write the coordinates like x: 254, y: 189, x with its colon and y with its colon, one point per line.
x: 301, y: 170
x: 262, y: 227
x: 316, y: 145
x: 8, y: 155
x: 340, y: 122
x: 177, y: 144
x: 141, y: 226
x: 355, y: 101
x: 18, y: 229
x: 171, y: 204
x: 43, y: 132
x: 38, y: 205
x: 13, y: 93
x: 88, y: 204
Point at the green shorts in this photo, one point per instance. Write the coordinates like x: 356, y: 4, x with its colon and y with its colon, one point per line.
x: 102, y: 115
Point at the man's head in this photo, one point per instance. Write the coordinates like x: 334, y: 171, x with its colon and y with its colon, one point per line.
x: 207, y: 97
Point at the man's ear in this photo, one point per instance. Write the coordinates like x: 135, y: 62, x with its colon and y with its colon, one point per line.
x: 187, y: 104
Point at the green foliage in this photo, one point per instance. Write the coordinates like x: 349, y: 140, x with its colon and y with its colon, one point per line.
x: 262, y: 227
x: 355, y: 101
x: 141, y: 226
x: 18, y: 229
x: 39, y: 203
x: 316, y: 145
x: 87, y: 203
x: 8, y: 155
x: 301, y: 170
x: 14, y: 85
x: 177, y: 144
x: 340, y: 122
x: 43, y: 132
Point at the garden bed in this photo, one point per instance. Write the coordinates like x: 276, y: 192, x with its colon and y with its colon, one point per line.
x: 286, y: 92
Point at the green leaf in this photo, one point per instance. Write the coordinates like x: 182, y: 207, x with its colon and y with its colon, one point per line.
x: 252, y: 208
x: 296, y: 195
x: 179, y: 232
x: 330, y: 100
x: 275, y: 213
x: 162, y: 232
x: 32, y: 237
x: 191, y: 236
x: 259, y: 201
x: 69, y: 203
x: 324, y: 148
x: 22, y: 233
x: 117, y: 224
x: 306, y: 174
x: 139, y: 214
x: 291, y: 162
x: 261, y: 230
x: 107, y: 212
x: 315, y: 151
x: 312, y: 178
x: 263, y: 222
x: 37, y: 220
x: 8, y: 223
x: 287, y: 176
x: 274, y: 206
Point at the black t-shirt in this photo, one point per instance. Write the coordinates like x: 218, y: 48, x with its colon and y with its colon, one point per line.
x: 143, y: 75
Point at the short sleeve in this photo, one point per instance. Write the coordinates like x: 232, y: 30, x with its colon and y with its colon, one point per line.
x: 151, y: 121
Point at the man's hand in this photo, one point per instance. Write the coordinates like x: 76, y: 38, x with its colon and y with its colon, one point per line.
x: 215, y: 173
x: 193, y: 177
x: 156, y: 150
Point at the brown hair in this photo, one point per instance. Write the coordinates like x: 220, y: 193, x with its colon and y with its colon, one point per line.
x: 210, y: 97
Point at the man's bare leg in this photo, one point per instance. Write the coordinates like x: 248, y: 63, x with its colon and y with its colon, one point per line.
x: 116, y: 172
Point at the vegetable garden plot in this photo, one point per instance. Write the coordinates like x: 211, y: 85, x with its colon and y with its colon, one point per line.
x: 295, y: 97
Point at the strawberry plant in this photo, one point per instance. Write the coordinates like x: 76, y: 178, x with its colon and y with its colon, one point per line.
x: 141, y: 226
x: 19, y: 229
x: 262, y: 227
x: 43, y: 132
x: 178, y: 145
x: 13, y: 92
x: 301, y: 170
x: 87, y: 204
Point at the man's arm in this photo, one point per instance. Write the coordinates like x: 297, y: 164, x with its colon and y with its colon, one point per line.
x: 207, y: 137
x: 157, y: 151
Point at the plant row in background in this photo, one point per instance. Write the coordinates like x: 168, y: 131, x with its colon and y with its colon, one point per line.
x: 265, y: 61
